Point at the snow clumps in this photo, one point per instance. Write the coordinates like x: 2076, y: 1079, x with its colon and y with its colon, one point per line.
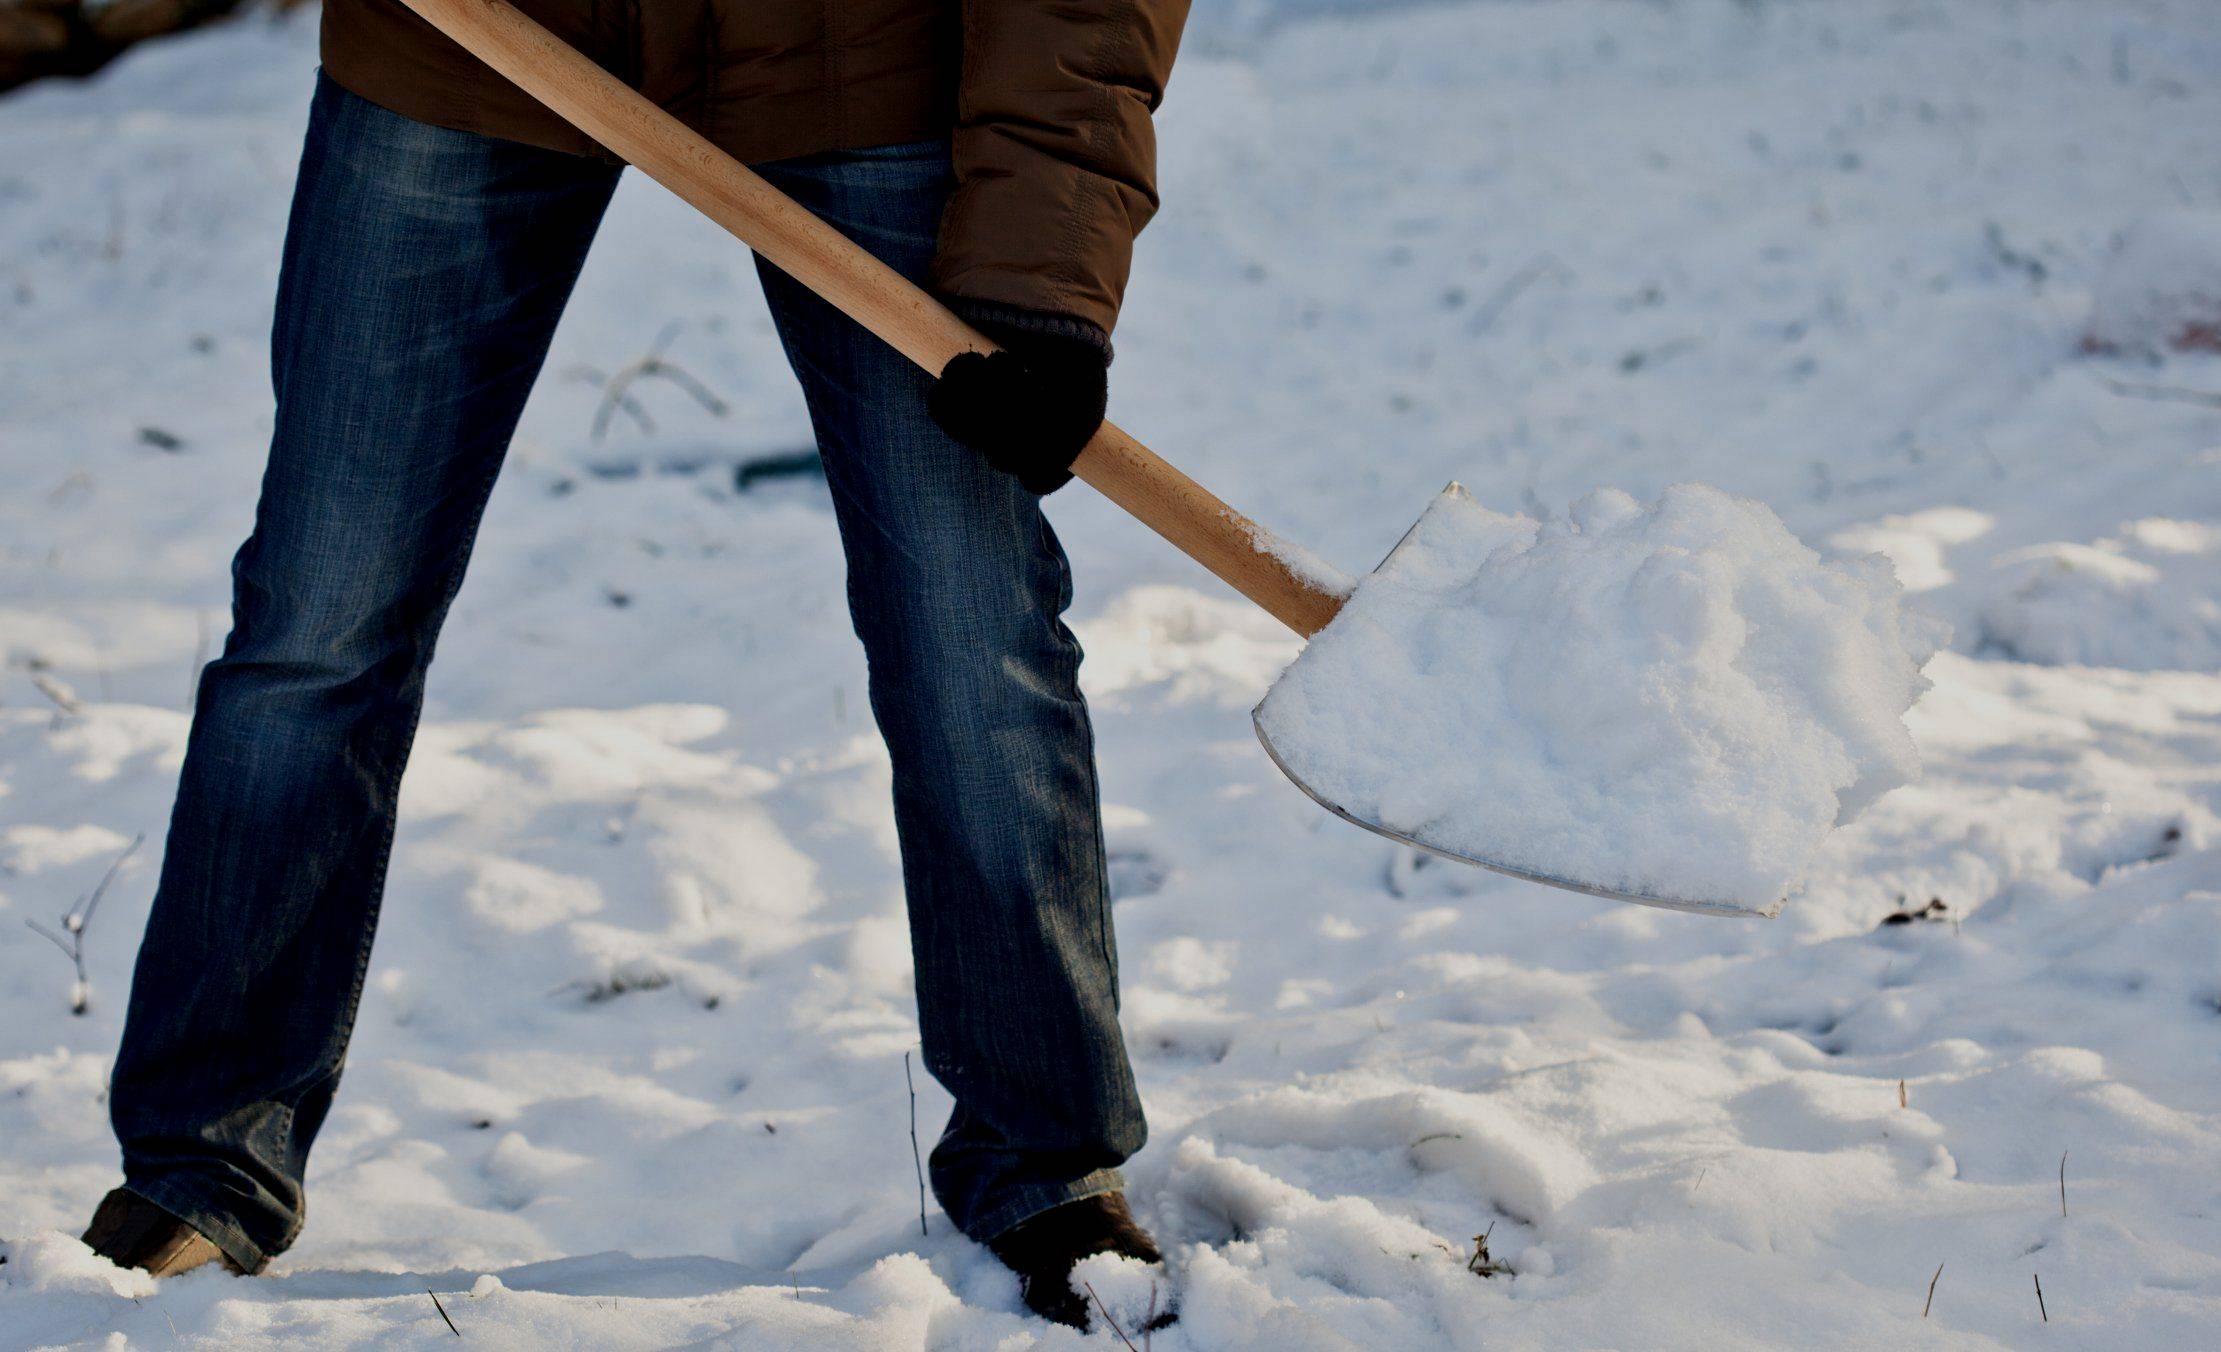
x: 1673, y: 702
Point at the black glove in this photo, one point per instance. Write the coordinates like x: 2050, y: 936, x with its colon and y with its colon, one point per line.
x: 1030, y: 408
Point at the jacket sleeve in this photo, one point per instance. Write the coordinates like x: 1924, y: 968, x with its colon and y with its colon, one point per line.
x: 1054, y: 153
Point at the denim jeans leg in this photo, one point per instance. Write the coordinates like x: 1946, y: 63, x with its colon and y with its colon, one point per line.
x: 424, y: 271
x: 957, y: 587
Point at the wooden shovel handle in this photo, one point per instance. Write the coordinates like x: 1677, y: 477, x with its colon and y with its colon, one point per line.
x: 860, y: 286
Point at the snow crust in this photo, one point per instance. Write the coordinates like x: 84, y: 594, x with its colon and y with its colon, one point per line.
x: 1675, y: 701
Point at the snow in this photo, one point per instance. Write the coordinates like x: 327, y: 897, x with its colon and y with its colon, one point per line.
x: 633, y: 1039
x: 2162, y: 287
x: 1308, y: 568
x: 1675, y: 702
x: 2143, y: 599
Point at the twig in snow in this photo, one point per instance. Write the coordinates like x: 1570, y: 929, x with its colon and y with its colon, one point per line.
x: 1932, y: 1291
x: 2062, y: 1184
x: 1513, y: 287
x: 77, y: 484
x: 600, y: 380
x: 1107, y: 1317
x: 1643, y: 358
x: 917, y: 1161
x: 616, y: 389
x: 74, y: 921
x: 2018, y: 260
x: 64, y: 698
x: 1902, y: 1101
x: 2040, y: 1298
x: 1481, y: 1264
x: 1936, y: 910
x: 443, y: 1311
x: 2173, y: 394
x: 105, y: 880
x: 1149, y: 1320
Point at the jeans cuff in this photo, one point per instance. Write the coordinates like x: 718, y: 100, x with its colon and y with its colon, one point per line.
x: 1029, y: 1202
x: 214, y: 1225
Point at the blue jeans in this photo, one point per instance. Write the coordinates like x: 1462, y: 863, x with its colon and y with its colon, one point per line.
x: 424, y: 272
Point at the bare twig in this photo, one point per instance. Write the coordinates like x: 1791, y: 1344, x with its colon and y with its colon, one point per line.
x: 77, y: 484
x: 2040, y: 1298
x: 685, y: 380
x: 1902, y: 1101
x: 71, y: 937
x: 2062, y: 1183
x: 443, y: 1311
x: 1481, y: 1264
x: 625, y: 403
x: 64, y: 698
x: 1501, y: 299
x: 92, y: 902
x: 68, y: 950
x: 917, y: 1160
x: 1107, y: 1317
x: 616, y: 389
x: 1645, y: 357
x: 1932, y: 1291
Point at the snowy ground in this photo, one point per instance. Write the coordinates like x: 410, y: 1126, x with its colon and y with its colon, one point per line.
x: 630, y: 1072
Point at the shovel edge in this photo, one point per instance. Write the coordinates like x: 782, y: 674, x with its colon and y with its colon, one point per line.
x: 1719, y: 908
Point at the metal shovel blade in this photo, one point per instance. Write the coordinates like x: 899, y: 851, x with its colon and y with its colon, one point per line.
x: 1703, y: 906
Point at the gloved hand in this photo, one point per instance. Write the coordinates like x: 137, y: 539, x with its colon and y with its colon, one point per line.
x: 1030, y: 408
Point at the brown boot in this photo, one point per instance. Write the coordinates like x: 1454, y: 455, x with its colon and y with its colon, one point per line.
x: 130, y: 1231
x: 1043, y: 1248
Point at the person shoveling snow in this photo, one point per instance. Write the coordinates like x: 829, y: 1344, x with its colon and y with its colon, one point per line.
x: 1690, y: 649
x: 1670, y: 703
x: 440, y: 219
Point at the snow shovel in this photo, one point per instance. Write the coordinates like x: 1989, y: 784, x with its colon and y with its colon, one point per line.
x: 1241, y: 553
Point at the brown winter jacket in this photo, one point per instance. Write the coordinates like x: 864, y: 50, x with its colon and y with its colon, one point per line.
x: 1047, y: 103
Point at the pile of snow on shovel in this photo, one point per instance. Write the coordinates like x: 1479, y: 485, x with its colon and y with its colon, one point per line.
x: 1675, y: 701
